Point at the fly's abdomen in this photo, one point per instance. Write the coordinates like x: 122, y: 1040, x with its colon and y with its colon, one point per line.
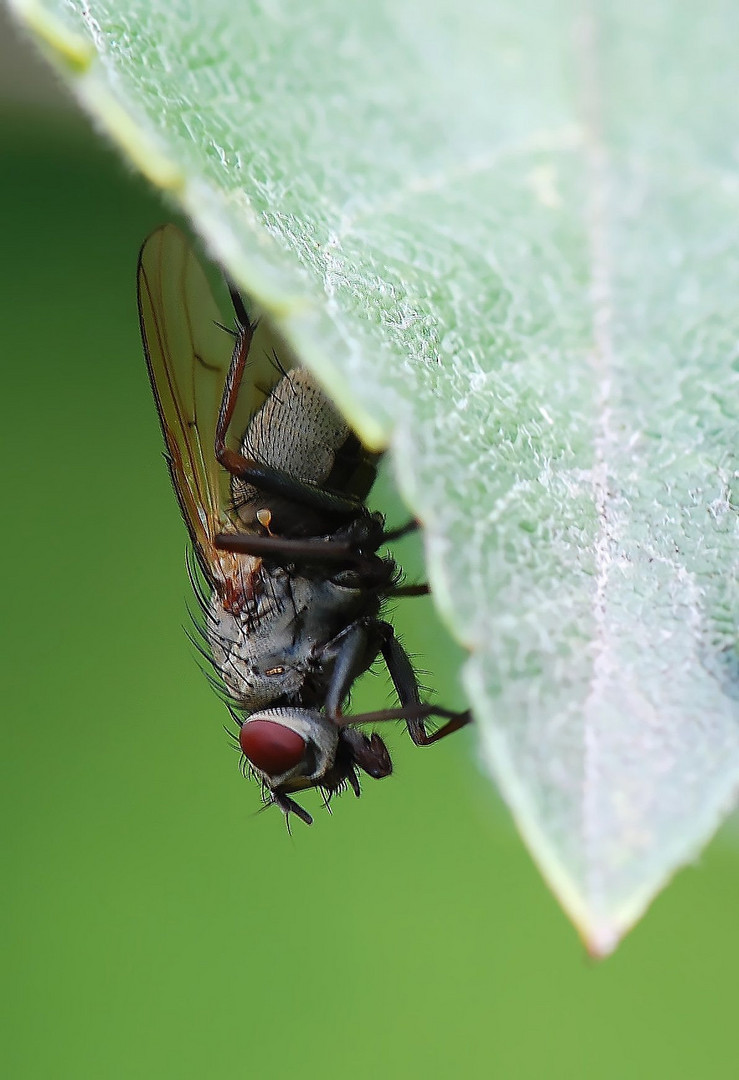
x: 297, y: 431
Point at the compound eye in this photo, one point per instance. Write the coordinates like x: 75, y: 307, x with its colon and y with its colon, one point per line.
x: 271, y: 747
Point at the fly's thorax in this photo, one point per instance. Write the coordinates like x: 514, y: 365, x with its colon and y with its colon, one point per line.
x: 289, y: 749
x: 326, y: 607
x: 266, y: 652
x: 255, y: 649
x: 297, y: 430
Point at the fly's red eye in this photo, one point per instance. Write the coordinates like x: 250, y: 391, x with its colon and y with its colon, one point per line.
x: 270, y: 747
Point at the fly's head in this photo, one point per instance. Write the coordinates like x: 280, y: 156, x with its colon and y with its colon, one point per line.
x: 290, y: 750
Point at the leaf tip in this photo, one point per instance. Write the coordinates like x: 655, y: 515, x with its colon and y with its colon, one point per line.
x: 599, y: 940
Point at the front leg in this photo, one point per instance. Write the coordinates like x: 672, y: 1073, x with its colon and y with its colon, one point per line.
x: 355, y: 649
x: 406, y: 686
x: 351, y: 652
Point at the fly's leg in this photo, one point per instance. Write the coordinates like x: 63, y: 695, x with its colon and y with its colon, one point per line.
x: 406, y: 686
x: 409, y: 590
x: 244, y: 336
x: 332, y: 551
x: 259, y: 475
x: 286, y: 551
x: 401, y: 531
x: 358, y: 645
x: 353, y: 651
x: 397, y: 534
x: 408, y: 712
x: 347, y: 564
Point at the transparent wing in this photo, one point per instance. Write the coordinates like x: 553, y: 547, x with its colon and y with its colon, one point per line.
x: 188, y: 356
x: 269, y: 360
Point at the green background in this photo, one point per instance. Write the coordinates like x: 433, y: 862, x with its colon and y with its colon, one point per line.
x: 157, y: 925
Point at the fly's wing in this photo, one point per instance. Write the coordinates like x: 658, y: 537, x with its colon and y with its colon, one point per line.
x: 269, y: 361
x: 188, y: 357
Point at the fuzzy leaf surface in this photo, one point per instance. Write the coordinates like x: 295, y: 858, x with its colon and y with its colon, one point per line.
x: 505, y: 237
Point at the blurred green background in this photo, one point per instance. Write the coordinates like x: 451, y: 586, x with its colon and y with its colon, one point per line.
x: 158, y: 926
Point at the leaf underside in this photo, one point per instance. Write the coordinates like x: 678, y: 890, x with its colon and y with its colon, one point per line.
x: 504, y: 236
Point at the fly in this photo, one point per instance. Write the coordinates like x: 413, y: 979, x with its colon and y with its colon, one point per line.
x: 272, y: 483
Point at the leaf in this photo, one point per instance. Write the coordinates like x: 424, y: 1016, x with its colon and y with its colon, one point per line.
x: 504, y: 236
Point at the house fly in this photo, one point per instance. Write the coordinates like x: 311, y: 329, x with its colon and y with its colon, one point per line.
x: 272, y: 483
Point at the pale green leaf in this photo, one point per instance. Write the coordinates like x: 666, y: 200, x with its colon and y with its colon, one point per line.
x: 505, y: 237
